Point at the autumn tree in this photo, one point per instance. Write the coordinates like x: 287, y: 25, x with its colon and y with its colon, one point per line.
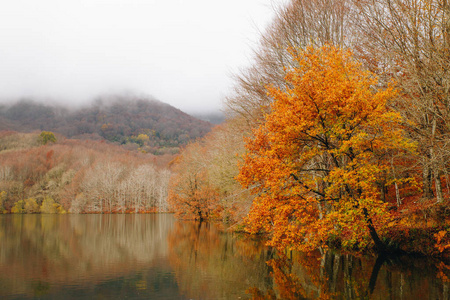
x: 191, y: 194
x: 3, y: 196
x: 47, y: 137
x: 297, y: 24
x: 142, y: 139
x: 18, y: 207
x: 409, y: 40
x: 209, y: 166
x: 79, y: 176
x: 224, y: 147
x: 49, y: 206
x: 31, y: 206
x: 315, y: 163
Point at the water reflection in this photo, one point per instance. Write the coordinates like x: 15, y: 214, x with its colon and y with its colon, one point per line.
x: 156, y: 257
x: 42, y: 253
x: 212, y: 265
x: 335, y: 276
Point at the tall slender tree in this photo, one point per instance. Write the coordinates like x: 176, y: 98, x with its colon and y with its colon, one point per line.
x: 408, y: 40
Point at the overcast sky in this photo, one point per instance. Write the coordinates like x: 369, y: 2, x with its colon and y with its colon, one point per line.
x: 180, y: 52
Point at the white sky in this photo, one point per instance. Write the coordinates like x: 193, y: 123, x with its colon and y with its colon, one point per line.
x: 180, y: 52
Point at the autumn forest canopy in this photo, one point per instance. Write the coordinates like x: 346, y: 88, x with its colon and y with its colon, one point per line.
x: 336, y: 135
x: 111, y: 156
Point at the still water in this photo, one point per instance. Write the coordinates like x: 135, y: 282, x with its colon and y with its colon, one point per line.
x: 157, y: 257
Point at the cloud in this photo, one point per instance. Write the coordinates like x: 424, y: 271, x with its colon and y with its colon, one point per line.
x: 181, y: 52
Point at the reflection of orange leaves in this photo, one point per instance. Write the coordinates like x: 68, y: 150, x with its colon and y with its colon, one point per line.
x: 287, y: 284
x: 298, y: 277
x: 200, y: 253
x: 443, y: 272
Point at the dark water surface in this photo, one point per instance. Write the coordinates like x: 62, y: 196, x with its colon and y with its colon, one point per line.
x: 157, y: 257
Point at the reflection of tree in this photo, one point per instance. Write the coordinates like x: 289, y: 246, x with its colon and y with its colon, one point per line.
x: 40, y: 252
x: 298, y: 276
x: 337, y: 276
x: 210, y: 264
x: 76, y: 249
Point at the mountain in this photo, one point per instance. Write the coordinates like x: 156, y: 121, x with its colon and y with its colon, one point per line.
x: 212, y: 117
x: 138, y: 123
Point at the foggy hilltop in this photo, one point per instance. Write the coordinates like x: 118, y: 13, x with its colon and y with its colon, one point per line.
x: 120, y: 119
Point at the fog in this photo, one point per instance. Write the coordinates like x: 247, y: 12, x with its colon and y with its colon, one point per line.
x: 180, y: 52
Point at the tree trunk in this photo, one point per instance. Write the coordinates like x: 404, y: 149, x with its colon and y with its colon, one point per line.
x: 379, y: 245
x: 438, y: 185
x: 427, y: 182
x: 200, y: 216
x: 397, y: 195
x: 397, y: 191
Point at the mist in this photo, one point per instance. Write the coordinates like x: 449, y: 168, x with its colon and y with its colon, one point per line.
x: 179, y: 52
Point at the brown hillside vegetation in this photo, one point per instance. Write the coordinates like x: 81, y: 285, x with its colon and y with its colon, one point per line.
x: 78, y: 176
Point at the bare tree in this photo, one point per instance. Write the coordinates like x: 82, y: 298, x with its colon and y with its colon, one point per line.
x: 162, y: 189
x: 408, y: 40
x: 297, y: 25
x: 100, y: 185
x: 144, y: 188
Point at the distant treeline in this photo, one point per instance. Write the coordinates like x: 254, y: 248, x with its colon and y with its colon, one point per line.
x: 139, y: 123
x: 44, y: 173
x: 337, y: 134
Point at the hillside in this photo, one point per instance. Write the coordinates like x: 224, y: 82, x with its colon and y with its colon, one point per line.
x: 78, y: 176
x: 139, y: 123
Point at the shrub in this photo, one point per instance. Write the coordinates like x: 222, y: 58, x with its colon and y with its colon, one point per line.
x: 46, y: 137
x: 18, y: 207
x: 49, y: 206
x: 31, y: 206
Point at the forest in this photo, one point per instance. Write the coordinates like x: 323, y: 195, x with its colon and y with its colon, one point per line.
x: 337, y: 133
x: 47, y: 173
x: 336, y: 136
x: 111, y: 156
x: 138, y: 123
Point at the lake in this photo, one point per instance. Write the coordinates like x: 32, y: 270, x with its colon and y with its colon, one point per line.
x: 155, y: 256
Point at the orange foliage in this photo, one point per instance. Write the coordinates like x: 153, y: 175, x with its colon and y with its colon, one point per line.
x: 316, y: 162
x: 191, y: 195
x: 193, y: 199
